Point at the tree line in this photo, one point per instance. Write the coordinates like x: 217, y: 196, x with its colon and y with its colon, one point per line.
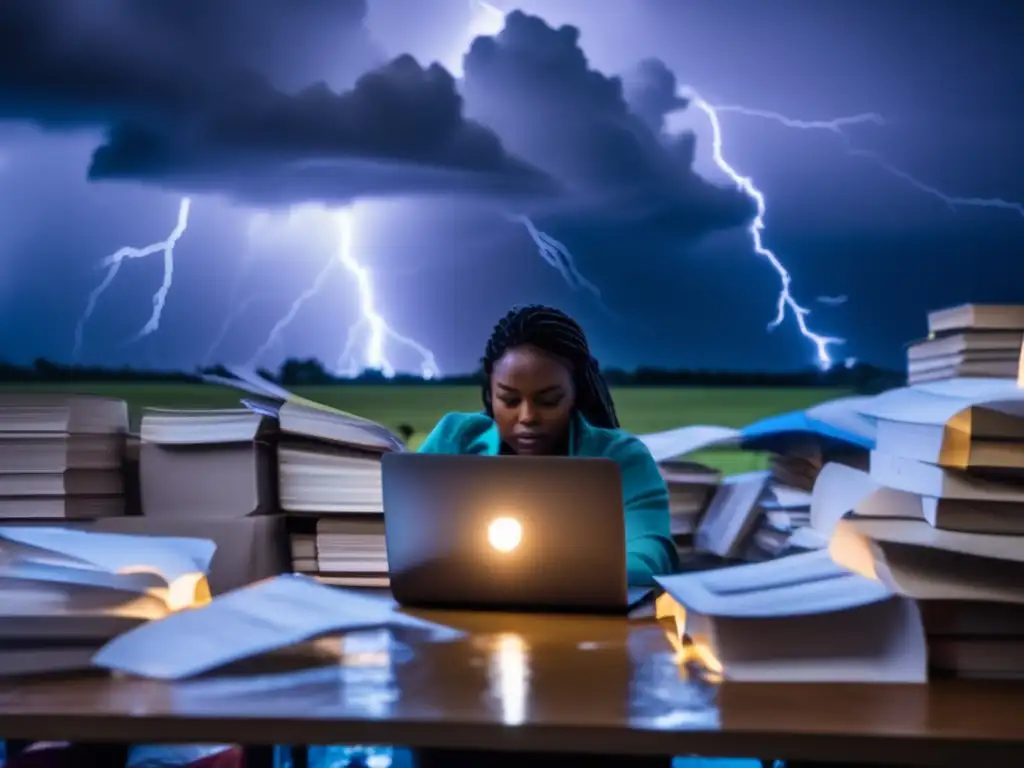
x: 296, y: 372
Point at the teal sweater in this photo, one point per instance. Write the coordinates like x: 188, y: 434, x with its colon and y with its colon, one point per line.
x: 649, y: 548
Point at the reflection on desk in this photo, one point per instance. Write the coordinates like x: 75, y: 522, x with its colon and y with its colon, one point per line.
x: 532, y: 683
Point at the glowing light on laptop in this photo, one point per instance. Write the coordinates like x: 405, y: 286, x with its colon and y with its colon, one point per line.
x: 504, y: 534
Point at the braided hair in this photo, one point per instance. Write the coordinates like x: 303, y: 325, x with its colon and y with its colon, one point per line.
x: 554, y: 332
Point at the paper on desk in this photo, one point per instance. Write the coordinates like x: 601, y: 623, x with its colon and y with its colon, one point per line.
x: 684, y: 440
x: 169, y: 557
x: 267, y: 616
x: 799, y: 585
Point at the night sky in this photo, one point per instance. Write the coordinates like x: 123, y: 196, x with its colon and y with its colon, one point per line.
x: 290, y: 124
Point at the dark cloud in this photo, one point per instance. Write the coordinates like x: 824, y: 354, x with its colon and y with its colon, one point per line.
x: 200, y: 95
x: 533, y: 84
x: 400, y: 129
x: 72, y: 63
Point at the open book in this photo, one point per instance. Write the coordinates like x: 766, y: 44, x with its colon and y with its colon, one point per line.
x: 64, y: 593
x: 305, y: 418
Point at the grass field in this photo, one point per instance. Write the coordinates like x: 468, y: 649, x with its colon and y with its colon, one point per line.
x: 641, y: 410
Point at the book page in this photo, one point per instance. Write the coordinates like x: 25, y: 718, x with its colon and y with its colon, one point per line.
x: 844, y: 414
x: 260, y: 385
x: 14, y: 574
x: 685, y: 440
x: 252, y: 621
x: 171, y: 558
x: 45, y: 594
x: 837, y: 491
x: 920, y: 534
x: 798, y: 585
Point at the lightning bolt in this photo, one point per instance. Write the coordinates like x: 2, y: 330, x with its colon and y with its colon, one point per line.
x: 378, y: 332
x: 837, y: 125
x: 371, y: 325
x: 785, y: 299
x: 557, y: 255
x: 279, y: 327
x: 112, y: 264
x: 237, y: 310
x: 834, y: 125
x: 952, y: 201
x: 488, y: 21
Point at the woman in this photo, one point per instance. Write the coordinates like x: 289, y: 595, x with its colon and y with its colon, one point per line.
x: 544, y: 396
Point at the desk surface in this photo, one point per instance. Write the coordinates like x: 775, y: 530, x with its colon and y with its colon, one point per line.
x: 555, y: 684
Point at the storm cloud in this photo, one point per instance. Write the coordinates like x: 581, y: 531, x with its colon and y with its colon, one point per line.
x: 289, y: 101
x: 533, y: 84
x: 201, y: 96
x: 399, y: 130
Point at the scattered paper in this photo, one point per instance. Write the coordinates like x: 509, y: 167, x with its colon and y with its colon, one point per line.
x: 837, y: 491
x: 684, y: 440
x: 266, y: 616
x: 798, y: 585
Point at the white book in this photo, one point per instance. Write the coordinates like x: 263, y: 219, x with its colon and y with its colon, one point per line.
x: 938, y: 402
x: 200, y: 427
x: 801, y: 618
x: 786, y: 497
x: 841, y: 491
x: 922, y: 563
x: 731, y: 515
x: 267, y: 616
x: 930, y: 480
x: 957, y: 445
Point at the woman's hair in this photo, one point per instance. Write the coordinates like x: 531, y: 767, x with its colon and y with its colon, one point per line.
x: 557, y: 334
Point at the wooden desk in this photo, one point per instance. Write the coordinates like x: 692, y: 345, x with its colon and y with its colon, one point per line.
x: 534, y: 684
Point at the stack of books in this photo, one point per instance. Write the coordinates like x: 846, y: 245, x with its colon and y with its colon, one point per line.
x: 329, y: 483
x: 943, y: 520
x: 61, y: 457
x: 784, y: 510
x: 976, y: 340
x: 763, y: 514
x: 207, y: 463
x: 212, y: 474
x: 691, y: 486
x: 924, y: 550
x: 329, y: 468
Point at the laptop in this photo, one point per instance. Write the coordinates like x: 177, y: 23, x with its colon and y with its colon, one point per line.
x: 509, y: 533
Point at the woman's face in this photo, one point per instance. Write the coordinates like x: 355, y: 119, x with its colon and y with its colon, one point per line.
x: 532, y: 396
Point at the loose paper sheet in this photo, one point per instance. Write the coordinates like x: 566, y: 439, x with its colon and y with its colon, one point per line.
x: 803, y: 584
x: 684, y: 440
x: 251, y: 621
